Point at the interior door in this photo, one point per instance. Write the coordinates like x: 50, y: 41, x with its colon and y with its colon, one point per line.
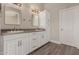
x: 66, y: 26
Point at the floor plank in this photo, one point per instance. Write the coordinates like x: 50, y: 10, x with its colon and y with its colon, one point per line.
x: 56, y: 49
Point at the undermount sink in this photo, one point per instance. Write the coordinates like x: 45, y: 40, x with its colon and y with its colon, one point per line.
x: 14, y: 31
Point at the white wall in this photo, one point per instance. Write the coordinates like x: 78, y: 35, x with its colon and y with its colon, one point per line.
x: 53, y: 9
x: 37, y: 5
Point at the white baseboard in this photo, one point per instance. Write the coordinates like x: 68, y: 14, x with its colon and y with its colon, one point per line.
x: 57, y: 42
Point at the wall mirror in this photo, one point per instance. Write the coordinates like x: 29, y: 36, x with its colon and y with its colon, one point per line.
x: 12, y: 15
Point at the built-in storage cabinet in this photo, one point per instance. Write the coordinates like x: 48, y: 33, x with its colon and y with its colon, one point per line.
x: 25, y: 43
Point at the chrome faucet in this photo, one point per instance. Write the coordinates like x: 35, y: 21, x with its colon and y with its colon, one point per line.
x: 14, y: 28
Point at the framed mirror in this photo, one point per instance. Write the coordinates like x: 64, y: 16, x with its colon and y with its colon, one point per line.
x: 12, y: 15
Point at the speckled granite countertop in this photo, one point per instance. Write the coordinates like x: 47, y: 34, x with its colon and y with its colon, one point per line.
x: 18, y: 31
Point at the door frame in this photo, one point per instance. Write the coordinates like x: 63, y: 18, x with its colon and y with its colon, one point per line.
x: 60, y: 26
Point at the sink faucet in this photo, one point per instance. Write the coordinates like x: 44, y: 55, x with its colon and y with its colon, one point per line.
x: 14, y: 28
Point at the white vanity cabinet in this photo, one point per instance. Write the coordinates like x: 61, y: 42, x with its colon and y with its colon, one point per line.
x: 23, y: 43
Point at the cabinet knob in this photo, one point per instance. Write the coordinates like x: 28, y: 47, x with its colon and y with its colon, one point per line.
x: 34, y: 46
x: 34, y: 39
x: 24, y: 19
x: 61, y: 29
x: 42, y: 36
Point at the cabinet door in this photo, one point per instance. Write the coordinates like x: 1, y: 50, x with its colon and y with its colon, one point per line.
x: 29, y: 42
x: 38, y: 39
x: 46, y: 36
x: 41, y: 38
x: 11, y: 47
x: 20, y: 46
x: 26, y: 44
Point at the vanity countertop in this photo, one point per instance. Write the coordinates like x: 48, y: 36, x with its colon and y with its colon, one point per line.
x: 18, y: 31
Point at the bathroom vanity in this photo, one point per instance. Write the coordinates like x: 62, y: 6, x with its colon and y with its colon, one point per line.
x: 22, y: 43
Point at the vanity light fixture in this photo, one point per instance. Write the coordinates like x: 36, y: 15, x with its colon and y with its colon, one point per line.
x: 18, y: 4
x: 35, y: 10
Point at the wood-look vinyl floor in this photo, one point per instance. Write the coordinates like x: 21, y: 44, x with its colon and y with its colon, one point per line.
x: 56, y: 49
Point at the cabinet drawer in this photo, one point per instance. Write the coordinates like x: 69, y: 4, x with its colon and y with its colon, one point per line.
x: 14, y: 36
x: 35, y: 43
